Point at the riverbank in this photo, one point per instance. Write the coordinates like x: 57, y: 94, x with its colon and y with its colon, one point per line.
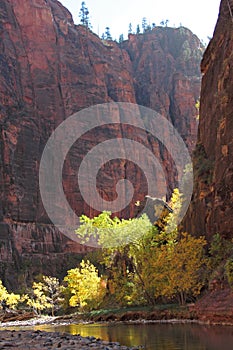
x: 29, y: 340
x: 215, y: 308
x: 181, y: 313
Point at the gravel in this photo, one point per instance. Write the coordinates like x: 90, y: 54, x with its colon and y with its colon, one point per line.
x: 31, y: 340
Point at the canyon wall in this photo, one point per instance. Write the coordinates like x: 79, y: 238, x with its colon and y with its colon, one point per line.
x: 212, y: 206
x: 49, y: 69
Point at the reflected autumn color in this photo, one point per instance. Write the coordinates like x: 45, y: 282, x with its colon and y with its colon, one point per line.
x: 157, y: 336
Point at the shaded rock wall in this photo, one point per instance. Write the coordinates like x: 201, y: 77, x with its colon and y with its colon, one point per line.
x: 51, y: 68
x: 212, y: 206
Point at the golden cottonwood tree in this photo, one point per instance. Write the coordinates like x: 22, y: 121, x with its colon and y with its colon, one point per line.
x: 45, y: 295
x: 145, y: 262
x: 52, y: 291
x: 118, y: 237
x: 86, y: 287
x: 38, y: 300
x: 178, y: 269
x: 10, y: 299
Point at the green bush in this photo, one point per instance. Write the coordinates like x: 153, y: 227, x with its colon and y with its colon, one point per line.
x: 229, y: 271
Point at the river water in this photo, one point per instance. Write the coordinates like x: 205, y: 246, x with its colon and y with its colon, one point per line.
x: 157, y: 336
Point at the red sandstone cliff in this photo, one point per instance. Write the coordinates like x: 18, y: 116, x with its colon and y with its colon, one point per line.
x: 49, y: 69
x: 212, y: 206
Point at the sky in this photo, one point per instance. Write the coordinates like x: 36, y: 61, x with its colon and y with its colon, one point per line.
x: 200, y: 16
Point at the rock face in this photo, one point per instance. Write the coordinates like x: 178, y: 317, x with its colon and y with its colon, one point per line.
x: 215, y: 307
x: 50, y: 69
x: 212, y: 205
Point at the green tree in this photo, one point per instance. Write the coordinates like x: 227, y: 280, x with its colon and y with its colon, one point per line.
x: 119, y: 239
x: 138, y: 30
x: 148, y: 28
x: 220, y: 250
x: 108, y: 34
x: 84, y: 16
x: 220, y: 257
x: 130, y: 30
x: 111, y: 232
x: 229, y: 271
x: 144, y: 262
x: 144, y: 24
x: 121, y: 38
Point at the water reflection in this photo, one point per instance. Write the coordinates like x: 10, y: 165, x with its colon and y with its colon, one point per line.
x: 156, y: 336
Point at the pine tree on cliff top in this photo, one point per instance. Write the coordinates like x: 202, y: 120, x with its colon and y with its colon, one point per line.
x: 84, y: 16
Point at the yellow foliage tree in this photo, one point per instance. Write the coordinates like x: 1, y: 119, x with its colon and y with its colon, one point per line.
x: 3, y: 292
x: 10, y: 299
x: 177, y: 269
x: 155, y: 261
x: 38, y: 301
x: 52, y: 290
x: 120, y: 240
x: 169, y: 229
x: 153, y: 268
x: 46, y: 294
x: 85, y: 286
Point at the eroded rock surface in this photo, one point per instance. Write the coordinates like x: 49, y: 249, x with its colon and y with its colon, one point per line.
x: 212, y: 205
x: 50, y: 69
